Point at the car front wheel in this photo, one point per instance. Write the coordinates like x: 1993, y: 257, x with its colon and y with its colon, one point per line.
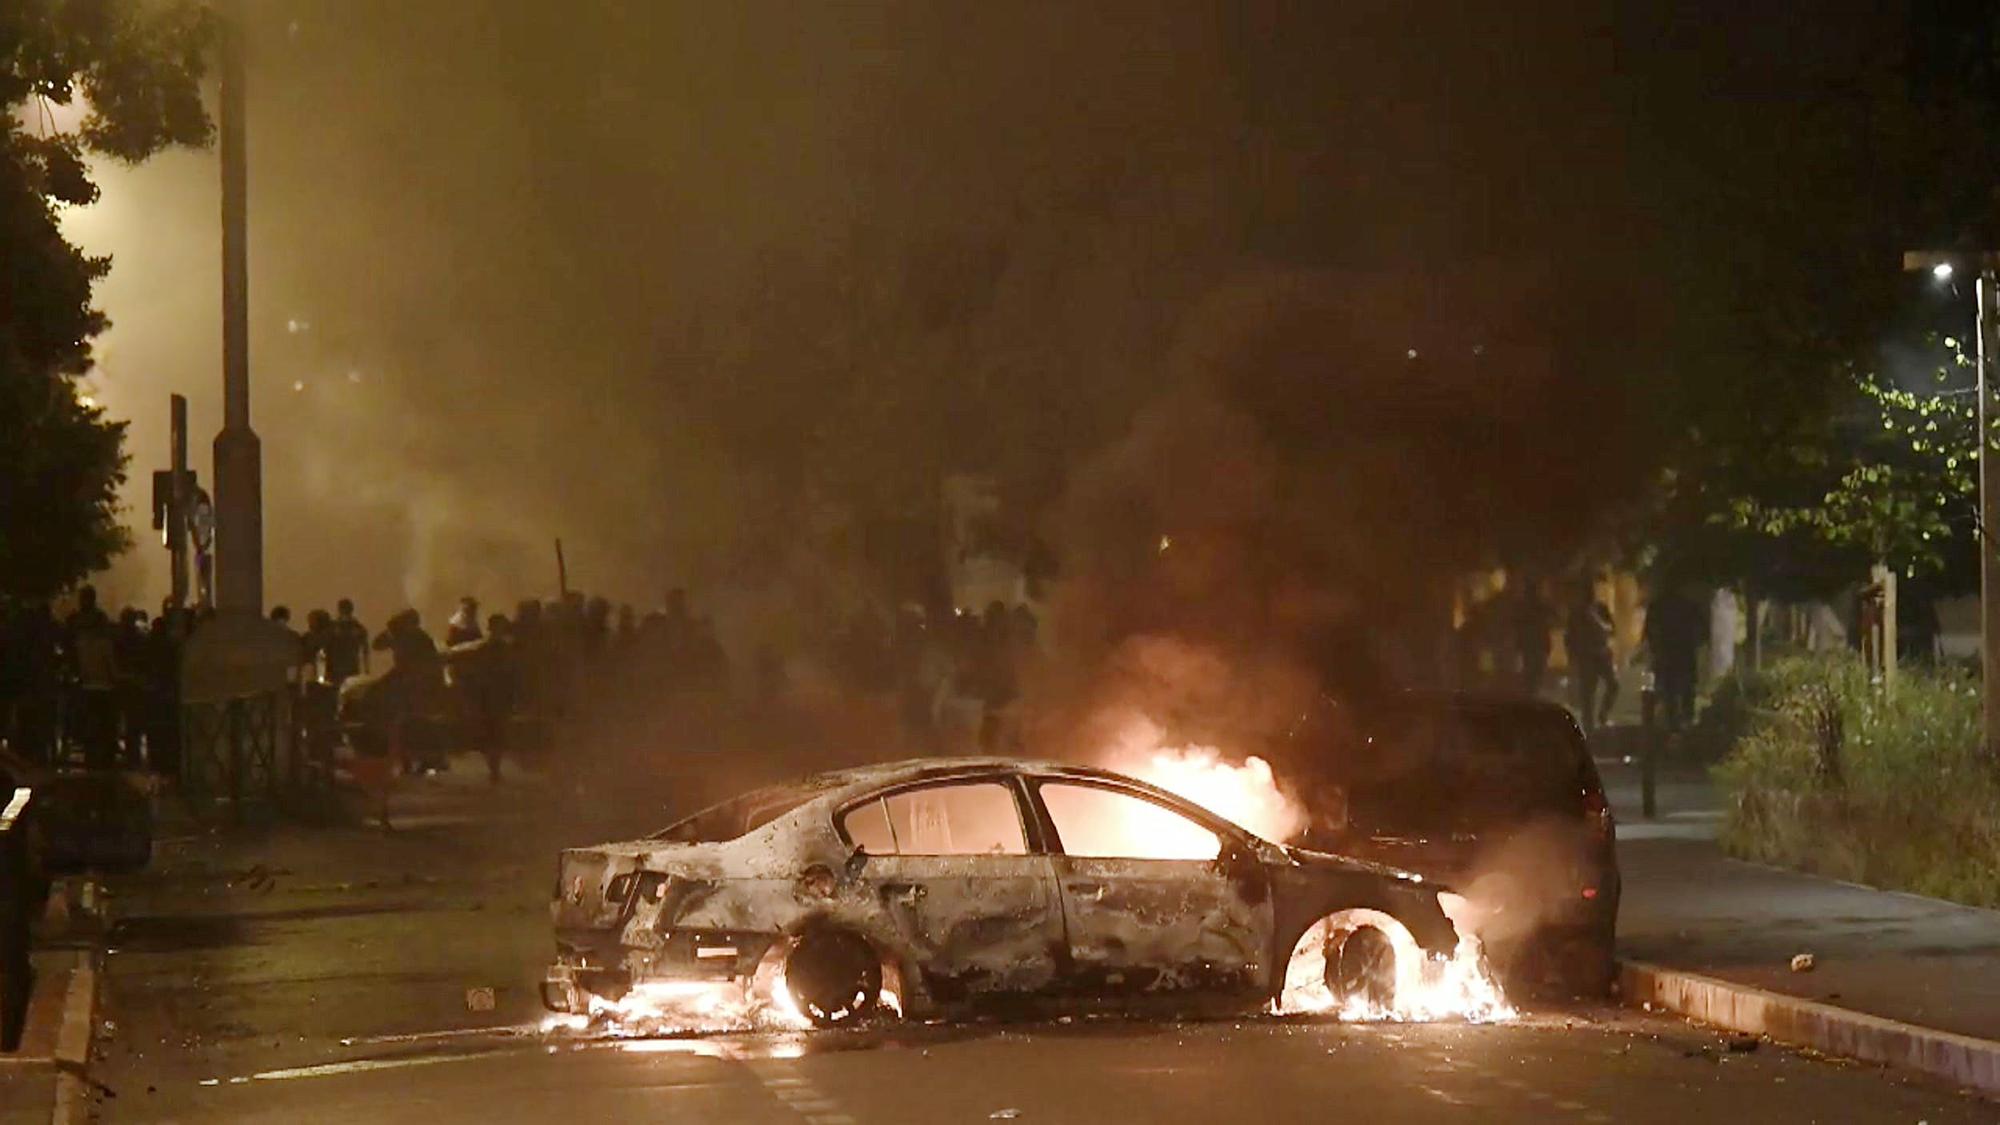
x: 1363, y: 969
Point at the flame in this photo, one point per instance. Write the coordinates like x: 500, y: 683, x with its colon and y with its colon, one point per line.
x: 1427, y: 988
x: 1246, y: 794
x: 654, y: 1008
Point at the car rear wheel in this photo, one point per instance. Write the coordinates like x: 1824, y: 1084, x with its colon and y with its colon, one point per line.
x: 833, y: 976
x: 1363, y: 968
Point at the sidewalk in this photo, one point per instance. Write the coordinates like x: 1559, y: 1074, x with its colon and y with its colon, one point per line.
x: 1886, y: 954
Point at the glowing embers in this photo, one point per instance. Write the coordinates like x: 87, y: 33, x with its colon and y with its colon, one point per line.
x: 1364, y: 965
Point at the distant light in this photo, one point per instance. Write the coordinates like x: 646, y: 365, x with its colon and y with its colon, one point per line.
x: 296, y: 325
x: 353, y: 376
x: 298, y: 384
x: 1166, y: 541
x: 1412, y: 353
x: 1941, y: 271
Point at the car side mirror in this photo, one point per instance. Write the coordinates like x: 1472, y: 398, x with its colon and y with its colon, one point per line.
x: 855, y: 862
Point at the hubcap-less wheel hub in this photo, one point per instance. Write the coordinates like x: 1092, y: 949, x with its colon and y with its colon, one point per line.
x: 1364, y: 968
x: 833, y: 976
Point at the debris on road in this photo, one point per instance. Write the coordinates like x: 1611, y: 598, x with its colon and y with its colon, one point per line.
x: 1802, y: 962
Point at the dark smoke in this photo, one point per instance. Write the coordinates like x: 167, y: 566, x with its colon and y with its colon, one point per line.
x: 1332, y: 453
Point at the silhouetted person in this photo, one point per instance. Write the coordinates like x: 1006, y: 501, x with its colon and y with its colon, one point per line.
x: 414, y: 685
x: 163, y: 690
x: 1587, y: 635
x: 1675, y: 629
x: 485, y: 672
x: 92, y: 646
x: 319, y: 630
x: 346, y: 648
x: 463, y: 628
x: 1533, y: 618
x: 301, y: 656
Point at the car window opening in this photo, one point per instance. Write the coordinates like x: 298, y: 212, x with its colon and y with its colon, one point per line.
x: 960, y: 818
x: 1094, y: 822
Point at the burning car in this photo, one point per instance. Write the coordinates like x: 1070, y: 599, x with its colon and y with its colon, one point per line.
x: 925, y: 885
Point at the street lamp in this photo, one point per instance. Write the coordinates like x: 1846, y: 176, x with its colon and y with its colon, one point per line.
x: 1942, y: 264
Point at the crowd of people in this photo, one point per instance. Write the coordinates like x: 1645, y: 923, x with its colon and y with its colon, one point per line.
x: 90, y: 687
x: 103, y: 690
x: 1507, y: 640
x: 496, y: 681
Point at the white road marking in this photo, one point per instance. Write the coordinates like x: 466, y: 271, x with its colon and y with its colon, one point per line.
x: 326, y: 1070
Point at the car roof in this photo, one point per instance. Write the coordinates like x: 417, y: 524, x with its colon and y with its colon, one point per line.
x: 918, y: 769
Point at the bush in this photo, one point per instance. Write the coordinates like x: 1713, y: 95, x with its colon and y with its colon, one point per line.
x: 1832, y: 776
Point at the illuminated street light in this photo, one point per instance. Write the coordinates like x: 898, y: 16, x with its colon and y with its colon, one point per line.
x: 1940, y: 263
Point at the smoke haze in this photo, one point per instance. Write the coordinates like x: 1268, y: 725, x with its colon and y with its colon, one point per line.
x: 707, y: 290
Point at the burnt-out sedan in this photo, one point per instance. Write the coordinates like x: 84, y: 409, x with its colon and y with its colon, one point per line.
x: 938, y: 883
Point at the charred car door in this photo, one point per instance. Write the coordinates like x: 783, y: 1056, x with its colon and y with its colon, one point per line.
x: 1154, y: 899
x: 963, y: 882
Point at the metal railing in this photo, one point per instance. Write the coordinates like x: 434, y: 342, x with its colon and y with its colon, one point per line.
x: 20, y: 896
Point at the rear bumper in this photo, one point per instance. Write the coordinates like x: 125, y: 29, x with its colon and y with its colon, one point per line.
x: 582, y: 970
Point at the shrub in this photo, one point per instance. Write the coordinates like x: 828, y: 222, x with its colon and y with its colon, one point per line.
x: 1831, y: 775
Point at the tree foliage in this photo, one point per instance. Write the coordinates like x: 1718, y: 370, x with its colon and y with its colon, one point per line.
x: 1898, y: 484
x: 137, y: 67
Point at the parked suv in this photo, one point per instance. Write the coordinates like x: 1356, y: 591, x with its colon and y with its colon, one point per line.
x: 1497, y: 798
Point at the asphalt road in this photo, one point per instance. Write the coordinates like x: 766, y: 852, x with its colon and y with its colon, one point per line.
x: 1544, y: 1069
x: 323, y: 976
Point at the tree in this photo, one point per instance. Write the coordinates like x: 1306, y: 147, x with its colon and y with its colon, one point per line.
x: 137, y: 68
x: 1903, y: 487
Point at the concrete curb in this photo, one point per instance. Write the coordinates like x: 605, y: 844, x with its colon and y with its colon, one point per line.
x: 58, y: 1039
x: 79, y: 1025
x: 1960, y: 1059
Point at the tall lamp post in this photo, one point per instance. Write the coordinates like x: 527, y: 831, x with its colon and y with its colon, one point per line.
x: 239, y: 474
x: 1943, y: 265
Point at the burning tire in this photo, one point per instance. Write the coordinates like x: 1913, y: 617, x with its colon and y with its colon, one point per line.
x: 833, y: 976
x: 1363, y: 968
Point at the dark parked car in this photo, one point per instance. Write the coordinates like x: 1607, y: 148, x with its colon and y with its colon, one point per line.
x: 939, y: 882
x: 1495, y: 797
